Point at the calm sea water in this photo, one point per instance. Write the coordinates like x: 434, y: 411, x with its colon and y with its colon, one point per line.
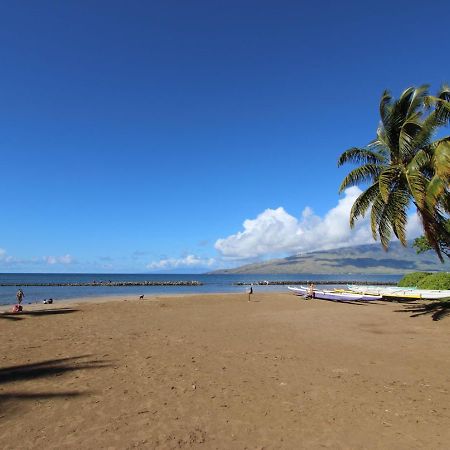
x: 211, y: 284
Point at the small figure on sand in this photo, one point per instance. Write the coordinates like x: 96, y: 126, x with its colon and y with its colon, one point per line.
x: 20, y: 295
x: 18, y: 307
x: 141, y: 297
x: 250, y: 292
x: 311, y: 290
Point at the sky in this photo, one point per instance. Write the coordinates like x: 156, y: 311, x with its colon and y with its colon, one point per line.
x: 175, y: 136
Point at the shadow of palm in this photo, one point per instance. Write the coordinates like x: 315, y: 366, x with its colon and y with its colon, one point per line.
x: 436, y: 309
x: 45, y: 369
x: 48, y: 368
x: 37, y: 312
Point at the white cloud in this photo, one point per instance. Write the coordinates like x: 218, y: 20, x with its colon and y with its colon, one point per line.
x: 414, y: 226
x: 65, y: 259
x: 8, y: 260
x: 275, y: 232
x: 178, y: 263
x: 50, y: 259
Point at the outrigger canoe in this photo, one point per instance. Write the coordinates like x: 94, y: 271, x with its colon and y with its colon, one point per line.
x: 400, y: 292
x: 334, y: 296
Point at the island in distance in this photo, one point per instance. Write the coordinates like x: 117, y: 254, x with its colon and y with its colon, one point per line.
x: 359, y: 259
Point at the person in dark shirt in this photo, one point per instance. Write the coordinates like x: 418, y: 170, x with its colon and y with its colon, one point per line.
x: 20, y: 295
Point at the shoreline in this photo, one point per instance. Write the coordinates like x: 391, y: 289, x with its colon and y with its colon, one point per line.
x: 113, y: 298
x: 198, y: 283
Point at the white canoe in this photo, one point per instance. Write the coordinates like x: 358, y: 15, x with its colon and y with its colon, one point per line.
x: 393, y: 291
x: 333, y: 295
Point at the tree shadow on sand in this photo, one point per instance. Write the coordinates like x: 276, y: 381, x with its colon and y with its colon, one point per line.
x: 12, y: 317
x: 45, y: 369
x: 436, y: 309
x: 36, y: 312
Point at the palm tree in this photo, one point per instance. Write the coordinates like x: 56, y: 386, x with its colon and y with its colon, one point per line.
x: 403, y: 165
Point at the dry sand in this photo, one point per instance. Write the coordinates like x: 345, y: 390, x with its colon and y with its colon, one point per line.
x: 218, y: 372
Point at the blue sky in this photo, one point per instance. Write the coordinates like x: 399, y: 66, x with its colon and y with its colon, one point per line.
x: 183, y: 136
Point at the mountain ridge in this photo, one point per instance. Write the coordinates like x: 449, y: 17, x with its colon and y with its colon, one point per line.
x: 359, y: 259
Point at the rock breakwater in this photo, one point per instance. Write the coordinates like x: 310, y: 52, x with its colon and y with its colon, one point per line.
x: 111, y: 283
x: 290, y: 282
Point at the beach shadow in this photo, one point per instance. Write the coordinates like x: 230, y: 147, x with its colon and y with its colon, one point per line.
x: 45, y: 369
x: 363, y: 302
x: 10, y: 316
x: 354, y: 302
x: 37, y: 312
x: 437, y: 309
x: 48, y: 368
x: 39, y: 395
x: 404, y: 301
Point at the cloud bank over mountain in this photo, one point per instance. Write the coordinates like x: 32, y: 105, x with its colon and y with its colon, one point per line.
x: 274, y: 232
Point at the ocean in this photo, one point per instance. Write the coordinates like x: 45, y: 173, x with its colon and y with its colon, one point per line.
x: 210, y: 284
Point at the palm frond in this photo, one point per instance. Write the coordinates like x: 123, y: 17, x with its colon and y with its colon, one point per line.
x: 360, y: 156
x: 420, y: 160
x: 398, y: 205
x: 404, y: 110
x: 436, y: 189
x: 428, y: 129
x: 363, y: 202
x: 442, y: 104
x: 366, y: 173
x: 391, y: 216
x: 375, y: 214
x: 417, y: 98
x: 387, y: 178
x: 434, y: 228
x: 417, y: 184
x: 385, y: 226
x: 410, y: 130
x: 441, y: 159
x: 385, y: 103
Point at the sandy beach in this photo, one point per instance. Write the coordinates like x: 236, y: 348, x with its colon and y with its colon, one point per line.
x: 217, y: 372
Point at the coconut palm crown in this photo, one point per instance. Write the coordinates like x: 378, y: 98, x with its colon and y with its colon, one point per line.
x: 404, y: 166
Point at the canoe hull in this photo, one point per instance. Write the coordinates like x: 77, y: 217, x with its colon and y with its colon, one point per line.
x: 334, y: 296
x: 396, y: 292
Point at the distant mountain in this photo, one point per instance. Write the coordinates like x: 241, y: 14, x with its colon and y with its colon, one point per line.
x: 360, y: 259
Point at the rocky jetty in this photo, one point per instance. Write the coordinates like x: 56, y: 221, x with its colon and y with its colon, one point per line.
x: 112, y: 283
x: 281, y: 283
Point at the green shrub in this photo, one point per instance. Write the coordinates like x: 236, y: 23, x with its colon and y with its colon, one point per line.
x: 436, y: 281
x: 412, y: 279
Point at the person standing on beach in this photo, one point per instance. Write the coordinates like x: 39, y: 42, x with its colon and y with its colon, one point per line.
x: 20, y: 295
x: 250, y: 292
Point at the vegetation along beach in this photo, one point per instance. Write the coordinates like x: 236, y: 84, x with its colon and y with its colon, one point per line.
x: 225, y: 225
